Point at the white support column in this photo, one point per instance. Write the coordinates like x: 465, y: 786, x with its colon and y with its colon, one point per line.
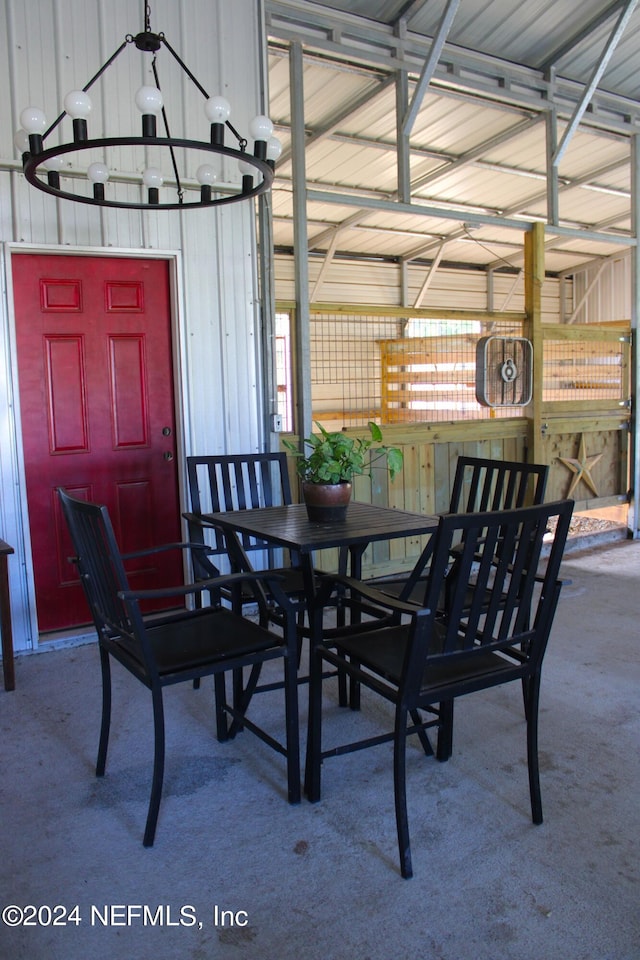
x: 634, y: 438
x: 302, y: 345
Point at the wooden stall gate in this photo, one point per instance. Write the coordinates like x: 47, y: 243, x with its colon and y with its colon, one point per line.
x: 422, y: 391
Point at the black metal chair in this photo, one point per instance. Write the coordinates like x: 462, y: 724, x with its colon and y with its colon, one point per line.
x: 426, y: 659
x: 182, y: 646
x: 239, y: 482
x: 479, y: 485
x: 246, y: 481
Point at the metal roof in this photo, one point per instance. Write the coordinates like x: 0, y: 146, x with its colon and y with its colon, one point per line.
x: 529, y: 112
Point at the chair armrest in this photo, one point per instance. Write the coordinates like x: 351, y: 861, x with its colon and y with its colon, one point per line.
x: 198, y: 519
x: 165, y: 547
x: 370, y: 593
x: 212, y: 584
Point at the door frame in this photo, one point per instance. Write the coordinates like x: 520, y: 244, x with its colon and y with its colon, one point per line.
x: 14, y: 510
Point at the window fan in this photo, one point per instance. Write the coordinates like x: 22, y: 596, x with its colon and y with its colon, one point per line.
x: 503, y: 371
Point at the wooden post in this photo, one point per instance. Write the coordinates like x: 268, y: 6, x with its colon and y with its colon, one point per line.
x: 534, y: 279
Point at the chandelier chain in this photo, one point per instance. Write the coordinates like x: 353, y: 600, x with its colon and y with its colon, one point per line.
x: 179, y: 190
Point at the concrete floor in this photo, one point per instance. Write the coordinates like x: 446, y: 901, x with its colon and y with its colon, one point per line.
x: 321, y: 881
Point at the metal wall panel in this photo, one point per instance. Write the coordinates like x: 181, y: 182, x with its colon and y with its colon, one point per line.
x: 359, y: 282
x: 604, y: 294
x: 48, y: 47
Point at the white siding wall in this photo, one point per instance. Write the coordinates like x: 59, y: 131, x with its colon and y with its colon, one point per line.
x: 48, y: 47
x: 604, y: 294
x: 380, y: 284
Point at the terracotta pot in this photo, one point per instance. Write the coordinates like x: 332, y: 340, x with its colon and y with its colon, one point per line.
x: 326, y: 502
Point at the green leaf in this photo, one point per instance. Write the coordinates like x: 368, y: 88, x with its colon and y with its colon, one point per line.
x: 395, y: 460
x: 376, y: 432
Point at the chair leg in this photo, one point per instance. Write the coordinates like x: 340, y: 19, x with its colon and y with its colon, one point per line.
x: 400, y: 791
x: 105, y: 723
x: 237, y: 688
x: 242, y: 694
x: 343, y: 697
x: 220, y: 698
x: 300, y: 626
x: 445, y: 732
x: 531, y: 709
x: 292, y: 728
x: 158, y: 767
x: 422, y: 734
x: 525, y: 698
x: 354, y: 691
x: 314, y: 734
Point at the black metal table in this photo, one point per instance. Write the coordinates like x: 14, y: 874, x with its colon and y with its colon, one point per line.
x: 288, y: 526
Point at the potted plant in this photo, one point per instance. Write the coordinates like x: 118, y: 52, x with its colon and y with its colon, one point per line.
x: 328, y: 468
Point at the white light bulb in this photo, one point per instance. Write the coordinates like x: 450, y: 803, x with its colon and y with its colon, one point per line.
x: 261, y: 128
x: 149, y: 100
x: 152, y: 177
x: 274, y: 148
x: 246, y: 169
x: 53, y: 163
x: 98, y: 172
x: 77, y: 104
x: 217, y: 109
x: 33, y: 120
x: 21, y: 141
x: 205, y: 174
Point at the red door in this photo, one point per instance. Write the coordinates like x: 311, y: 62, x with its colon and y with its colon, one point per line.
x: 96, y: 396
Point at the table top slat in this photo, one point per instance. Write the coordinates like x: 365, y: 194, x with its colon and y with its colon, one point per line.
x: 289, y: 526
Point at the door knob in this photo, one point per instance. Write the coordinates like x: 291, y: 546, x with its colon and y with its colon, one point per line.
x: 168, y: 455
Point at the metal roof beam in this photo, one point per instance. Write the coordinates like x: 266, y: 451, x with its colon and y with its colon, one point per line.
x: 565, y: 184
x: 513, y: 259
x: 429, y: 66
x: 431, y: 272
x: 450, y: 213
x: 511, y: 291
x: 359, y: 39
x: 409, y: 10
x: 592, y: 262
x: 596, y: 76
x: 460, y: 161
x: 326, y: 263
x: 431, y: 245
x: 583, y: 34
x: 445, y: 211
x: 351, y: 108
x: 466, y: 158
x: 332, y: 233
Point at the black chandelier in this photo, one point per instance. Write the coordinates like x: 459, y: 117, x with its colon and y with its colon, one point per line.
x: 42, y: 163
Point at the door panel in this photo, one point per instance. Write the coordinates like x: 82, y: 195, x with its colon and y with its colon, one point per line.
x: 96, y: 395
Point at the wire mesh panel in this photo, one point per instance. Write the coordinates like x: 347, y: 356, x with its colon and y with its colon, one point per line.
x: 393, y: 369
x: 576, y: 370
x: 374, y: 367
x: 346, y: 367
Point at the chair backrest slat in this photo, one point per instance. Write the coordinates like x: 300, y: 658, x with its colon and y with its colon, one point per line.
x: 481, y: 484
x: 236, y: 482
x: 99, y: 562
x: 499, y: 595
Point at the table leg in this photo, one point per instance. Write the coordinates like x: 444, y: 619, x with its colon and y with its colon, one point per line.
x: 356, y: 552
x: 5, y: 626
